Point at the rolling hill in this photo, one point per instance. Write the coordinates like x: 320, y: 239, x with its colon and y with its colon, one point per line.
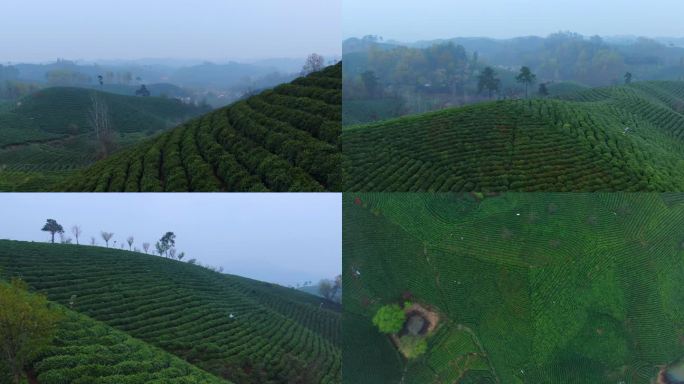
x: 89, y: 352
x: 621, y: 138
x: 238, y: 329
x: 528, y: 287
x: 285, y: 139
x: 48, y: 134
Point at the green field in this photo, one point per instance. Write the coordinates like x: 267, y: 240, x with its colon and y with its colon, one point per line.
x: 530, y: 287
x: 237, y: 329
x: 622, y: 138
x: 48, y: 135
x: 285, y: 139
x: 87, y: 351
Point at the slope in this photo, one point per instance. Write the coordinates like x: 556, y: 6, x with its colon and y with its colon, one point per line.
x: 624, y: 138
x: 285, y: 139
x: 50, y: 132
x: 89, y: 352
x: 239, y: 329
x: 530, y: 288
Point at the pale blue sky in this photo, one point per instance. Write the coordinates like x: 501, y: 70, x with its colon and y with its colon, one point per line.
x: 411, y: 20
x: 277, y: 237
x: 39, y: 30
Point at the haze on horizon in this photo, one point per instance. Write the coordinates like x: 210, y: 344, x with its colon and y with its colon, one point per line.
x: 285, y: 238
x: 410, y: 21
x: 44, y: 30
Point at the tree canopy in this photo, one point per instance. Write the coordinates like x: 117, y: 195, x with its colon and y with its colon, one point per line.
x: 526, y: 77
x: 53, y: 227
x: 27, y: 325
x: 487, y: 80
x: 389, y: 318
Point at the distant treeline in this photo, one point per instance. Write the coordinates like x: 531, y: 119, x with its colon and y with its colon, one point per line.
x: 395, y: 79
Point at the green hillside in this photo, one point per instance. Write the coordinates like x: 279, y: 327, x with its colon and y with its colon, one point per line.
x: 48, y: 134
x: 88, y: 352
x: 285, y: 139
x: 238, y: 329
x: 529, y: 287
x: 623, y: 138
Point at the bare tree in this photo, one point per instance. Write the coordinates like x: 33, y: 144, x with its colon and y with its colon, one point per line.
x: 106, y: 236
x: 101, y: 123
x: 181, y: 256
x: 314, y: 63
x: 92, y: 240
x: 76, y: 231
x: 130, y: 240
x: 146, y: 247
x: 172, y: 253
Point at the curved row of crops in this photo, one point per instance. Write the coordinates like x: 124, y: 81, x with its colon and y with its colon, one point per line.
x: 238, y: 329
x: 285, y: 139
x: 530, y: 287
x: 608, y: 139
x: 86, y: 351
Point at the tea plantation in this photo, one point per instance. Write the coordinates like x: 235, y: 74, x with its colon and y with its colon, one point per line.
x: 530, y: 287
x: 285, y: 139
x: 48, y: 134
x: 237, y: 329
x: 88, y: 352
x: 622, y: 138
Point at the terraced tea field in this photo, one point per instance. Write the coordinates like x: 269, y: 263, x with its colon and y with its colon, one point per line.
x: 49, y: 134
x: 625, y: 138
x: 285, y: 139
x: 238, y: 329
x: 89, y: 352
x: 530, y: 287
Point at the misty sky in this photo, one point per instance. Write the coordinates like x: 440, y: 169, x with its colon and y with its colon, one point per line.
x: 410, y: 20
x: 276, y: 237
x: 42, y: 30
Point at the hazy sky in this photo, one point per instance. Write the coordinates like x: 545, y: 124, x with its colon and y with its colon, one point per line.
x: 276, y: 237
x: 39, y: 30
x: 411, y: 20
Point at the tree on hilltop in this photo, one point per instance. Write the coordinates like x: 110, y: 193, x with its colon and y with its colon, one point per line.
x: 526, y: 77
x: 314, y: 63
x: 146, y: 246
x: 167, y: 242
x: 106, y: 236
x: 488, y: 80
x: 76, y: 231
x: 628, y: 78
x: 130, y: 240
x: 53, y: 227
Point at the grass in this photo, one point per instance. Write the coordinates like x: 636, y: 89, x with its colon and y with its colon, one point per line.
x: 285, y: 139
x: 238, y: 329
x: 623, y: 138
x: 531, y: 287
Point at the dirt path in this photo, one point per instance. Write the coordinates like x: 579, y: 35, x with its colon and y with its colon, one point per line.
x: 479, y: 345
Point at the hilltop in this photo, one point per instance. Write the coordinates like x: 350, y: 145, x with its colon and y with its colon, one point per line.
x: 529, y: 288
x: 238, y: 329
x: 619, y: 138
x: 49, y: 133
x: 284, y: 139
